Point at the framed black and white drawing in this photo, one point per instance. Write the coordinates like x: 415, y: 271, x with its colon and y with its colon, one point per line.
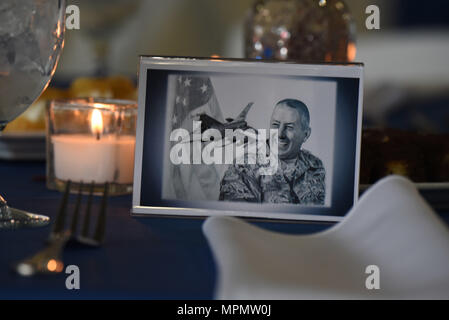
x: 247, y: 138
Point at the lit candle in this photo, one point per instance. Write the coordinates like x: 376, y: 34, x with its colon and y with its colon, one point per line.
x: 96, y: 123
x: 96, y: 157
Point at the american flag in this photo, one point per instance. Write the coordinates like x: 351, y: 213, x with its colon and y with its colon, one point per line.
x: 194, y: 95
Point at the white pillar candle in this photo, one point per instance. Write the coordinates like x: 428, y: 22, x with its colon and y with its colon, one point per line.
x: 85, y: 158
x: 94, y: 157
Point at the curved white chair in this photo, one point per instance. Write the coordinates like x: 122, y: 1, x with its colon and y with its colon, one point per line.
x: 391, y: 227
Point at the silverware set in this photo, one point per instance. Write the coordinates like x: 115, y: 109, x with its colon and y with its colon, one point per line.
x: 49, y: 259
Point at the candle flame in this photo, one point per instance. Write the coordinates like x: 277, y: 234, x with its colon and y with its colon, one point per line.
x: 96, y: 123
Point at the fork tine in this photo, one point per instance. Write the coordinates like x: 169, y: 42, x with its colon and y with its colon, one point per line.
x: 85, y: 231
x: 101, y: 221
x: 60, y: 218
x: 77, y: 210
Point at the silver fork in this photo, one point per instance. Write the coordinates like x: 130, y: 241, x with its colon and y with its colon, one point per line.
x: 49, y: 259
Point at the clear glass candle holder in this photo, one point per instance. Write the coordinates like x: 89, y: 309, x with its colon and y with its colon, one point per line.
x: 91, y: 141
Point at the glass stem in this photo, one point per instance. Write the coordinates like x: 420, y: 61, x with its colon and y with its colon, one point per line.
x: 4, y: 209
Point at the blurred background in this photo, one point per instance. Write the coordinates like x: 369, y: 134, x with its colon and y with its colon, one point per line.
x: 406, y: 61
x: 410, y: 48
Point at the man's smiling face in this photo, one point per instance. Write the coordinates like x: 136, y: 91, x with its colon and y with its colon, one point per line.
x: 291, y: 132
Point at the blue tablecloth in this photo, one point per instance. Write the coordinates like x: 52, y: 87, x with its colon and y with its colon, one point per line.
x: 155, y: 257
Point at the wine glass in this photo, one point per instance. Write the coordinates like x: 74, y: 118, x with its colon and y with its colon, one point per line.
x: 31, y: 40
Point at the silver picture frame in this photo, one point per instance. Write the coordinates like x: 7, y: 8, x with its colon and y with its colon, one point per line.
x: 334, y: 94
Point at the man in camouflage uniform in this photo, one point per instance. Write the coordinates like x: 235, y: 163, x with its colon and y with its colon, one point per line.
x: 300, y: 176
